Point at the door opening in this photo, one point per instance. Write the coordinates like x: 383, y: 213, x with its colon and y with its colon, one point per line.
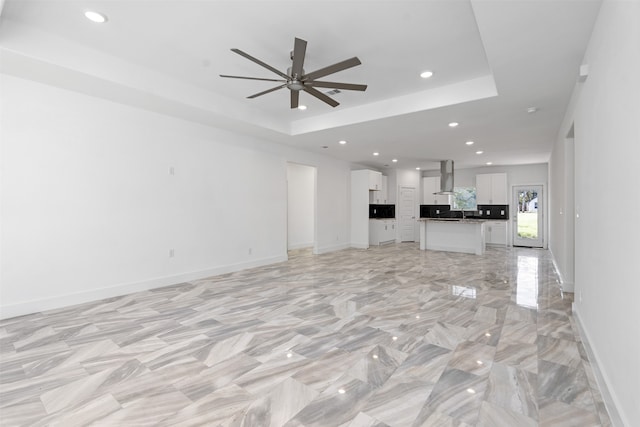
x: 527, y: 218
x: 301, y: 207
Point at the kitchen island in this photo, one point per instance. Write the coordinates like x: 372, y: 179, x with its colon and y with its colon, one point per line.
x: 452, y: 235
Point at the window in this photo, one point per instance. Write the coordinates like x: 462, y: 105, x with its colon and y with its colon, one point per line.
x: 464, y: 198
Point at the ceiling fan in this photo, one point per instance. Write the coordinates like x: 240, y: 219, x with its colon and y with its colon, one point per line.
x: 296, y: 79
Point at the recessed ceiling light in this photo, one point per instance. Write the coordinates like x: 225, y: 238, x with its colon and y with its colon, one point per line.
x: 489, y: 163
x: 302, y: 107
x: 469, y: 142
x: 341, y: 391
x: 342, y: 142
x: 471, y: 391
x: 395, y: 160
x: 95, y: 16
x: 376, y: 154
x: 531, y: 110
x: 426, y: 74
x: 453, y: 124
x: 479, y: 152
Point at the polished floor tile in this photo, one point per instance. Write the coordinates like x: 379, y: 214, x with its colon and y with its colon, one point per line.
x: 390, y: 336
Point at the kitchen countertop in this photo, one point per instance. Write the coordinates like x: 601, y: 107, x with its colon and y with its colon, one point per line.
x: 466, y: 220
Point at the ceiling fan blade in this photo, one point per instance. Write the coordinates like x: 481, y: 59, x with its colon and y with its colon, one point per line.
x: 335, y: 85
x: 295, y: 98
x: 257, y: 61
x: 299, y: 50
x: 343, y: 65
x: 266, y: 91
x: 321, y: 96
x: 252, y: 78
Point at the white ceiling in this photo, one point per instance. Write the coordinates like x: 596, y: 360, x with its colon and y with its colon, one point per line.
x: 492, y: 60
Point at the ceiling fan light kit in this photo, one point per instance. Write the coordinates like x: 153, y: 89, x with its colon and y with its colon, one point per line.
x: 296, y: 79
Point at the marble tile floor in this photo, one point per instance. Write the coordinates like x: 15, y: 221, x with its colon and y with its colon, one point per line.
x: 390, y: 336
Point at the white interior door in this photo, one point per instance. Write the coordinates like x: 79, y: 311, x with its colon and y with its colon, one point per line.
x: 407, y: 209
x: 527, y: 216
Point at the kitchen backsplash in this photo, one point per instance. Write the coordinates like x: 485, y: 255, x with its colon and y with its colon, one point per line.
x: 493, y: 211
x: 382, y: 211
x: 482, y: 212
x: 434, y: 211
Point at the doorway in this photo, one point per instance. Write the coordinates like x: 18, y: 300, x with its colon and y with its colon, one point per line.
x: 301, y: 206
x: 407, y: 215
x: 527, y: 219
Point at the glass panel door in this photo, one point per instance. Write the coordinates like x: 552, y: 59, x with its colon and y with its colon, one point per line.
x: 527, y: 218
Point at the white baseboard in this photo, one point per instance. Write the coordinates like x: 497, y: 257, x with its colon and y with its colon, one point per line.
x: 611, y: 402
x: 300, y: 246
x: 38, y: 305
x: 331, y: 248
x: 359, y: 246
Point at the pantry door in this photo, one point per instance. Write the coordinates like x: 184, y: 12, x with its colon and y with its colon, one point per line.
x: 407, y: 216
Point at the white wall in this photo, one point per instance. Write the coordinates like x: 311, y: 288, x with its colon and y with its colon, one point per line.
x: 90, y: 210
x: 561, y: 211
x: 605, y: 111
x: 301, y: 205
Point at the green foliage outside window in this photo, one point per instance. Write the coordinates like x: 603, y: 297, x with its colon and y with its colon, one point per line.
x: 464, y: 198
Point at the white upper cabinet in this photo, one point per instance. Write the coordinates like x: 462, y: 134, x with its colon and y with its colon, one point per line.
x: 375, y: 180
x: 491, y: 189
x: 380, y: 197
x: 430, y: 185
x: 384, y: 194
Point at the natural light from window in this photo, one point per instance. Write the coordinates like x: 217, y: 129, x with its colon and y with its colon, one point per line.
x: 464, y: 198
x: 527, y: 282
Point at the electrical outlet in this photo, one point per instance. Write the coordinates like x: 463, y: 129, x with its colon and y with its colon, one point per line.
x: 250, y: 251
x: 337, y: 237
x: 171, y: 253
x: 172, y: 170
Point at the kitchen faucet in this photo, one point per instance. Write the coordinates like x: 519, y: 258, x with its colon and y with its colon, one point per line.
x: 462, y: 213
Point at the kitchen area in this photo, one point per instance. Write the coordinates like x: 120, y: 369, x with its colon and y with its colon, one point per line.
x: 465, y: 218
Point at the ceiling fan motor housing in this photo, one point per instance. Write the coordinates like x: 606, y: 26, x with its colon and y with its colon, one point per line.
x: 294, y: 83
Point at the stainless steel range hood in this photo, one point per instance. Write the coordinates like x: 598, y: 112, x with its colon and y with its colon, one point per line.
x: 446, y: 177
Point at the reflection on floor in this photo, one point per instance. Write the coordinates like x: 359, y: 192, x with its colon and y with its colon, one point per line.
x: 387, y: 336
